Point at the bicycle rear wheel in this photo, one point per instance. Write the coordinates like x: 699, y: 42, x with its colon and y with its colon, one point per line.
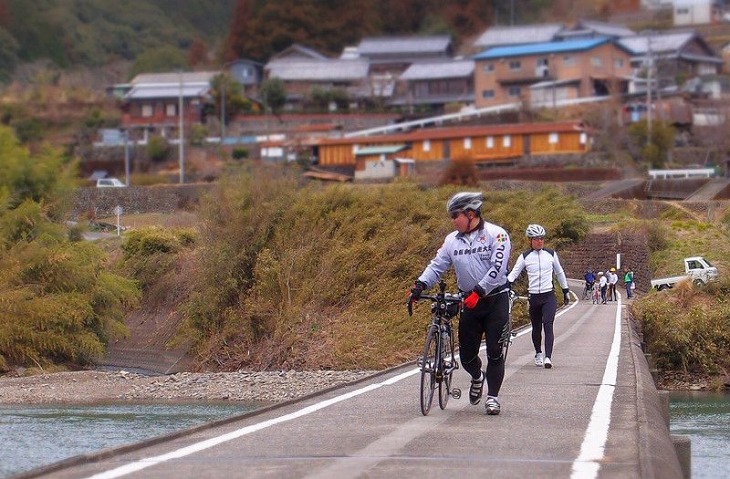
x: 428, y: 371
x: 447, y: 368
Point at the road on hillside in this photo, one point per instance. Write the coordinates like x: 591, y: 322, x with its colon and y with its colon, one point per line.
x: 553, y: 423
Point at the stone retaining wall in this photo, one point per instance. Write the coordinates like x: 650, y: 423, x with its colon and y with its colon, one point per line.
x: 92, y: 202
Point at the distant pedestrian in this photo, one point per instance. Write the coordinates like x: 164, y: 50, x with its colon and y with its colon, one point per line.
x: 629, y: 282
x: 541, y: 264
x: 612, y: 280
x: 603, y: 284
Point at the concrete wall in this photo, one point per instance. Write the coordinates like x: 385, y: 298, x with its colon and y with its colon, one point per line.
x: 94, y: 202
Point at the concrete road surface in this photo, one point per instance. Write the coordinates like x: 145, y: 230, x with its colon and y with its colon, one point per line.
x: 589, y: 416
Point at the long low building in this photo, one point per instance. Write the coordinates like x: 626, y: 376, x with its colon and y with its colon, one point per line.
x: 483, y: 144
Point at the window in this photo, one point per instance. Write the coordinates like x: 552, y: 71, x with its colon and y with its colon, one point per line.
x: 596, y: 61
x: 490, y: 142
x: 147, y: 111
x: 467, y: 143
x: 487, y: 94
x: 488, y: 68
x: 426, y: 145
x: 170, y: 109
x: 568, y: 60
x: 507, y: 141
x: 514, y: 91
x: 618, y: 63
x: 553, y: 138
x: 515, y: 65
x: 583, y: 138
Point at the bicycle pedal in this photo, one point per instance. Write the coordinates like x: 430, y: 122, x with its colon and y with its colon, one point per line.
x: 456, y: 393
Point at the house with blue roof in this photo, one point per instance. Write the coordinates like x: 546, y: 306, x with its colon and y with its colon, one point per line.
x: 551, y: 73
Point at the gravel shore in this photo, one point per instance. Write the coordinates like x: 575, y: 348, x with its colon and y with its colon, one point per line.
x: 84, y: 387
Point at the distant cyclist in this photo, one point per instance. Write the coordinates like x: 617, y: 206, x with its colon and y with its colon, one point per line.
x: 541, y: 264
x: 479, y: 252
x: 590, y: 281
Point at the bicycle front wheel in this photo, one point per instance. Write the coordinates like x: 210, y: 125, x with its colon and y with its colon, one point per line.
x: 447, y: 368
x: 428, y: 371
x: 506, y: 339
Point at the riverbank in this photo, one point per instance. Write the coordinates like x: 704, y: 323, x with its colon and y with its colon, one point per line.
x: 88, y: 387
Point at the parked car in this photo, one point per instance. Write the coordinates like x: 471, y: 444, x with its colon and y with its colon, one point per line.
x: 696, y: 269
x: 109, y: 183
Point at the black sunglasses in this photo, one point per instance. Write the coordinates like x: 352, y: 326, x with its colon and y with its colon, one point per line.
x: 455, y: 214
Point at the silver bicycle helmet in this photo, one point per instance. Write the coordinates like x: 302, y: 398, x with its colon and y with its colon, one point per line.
x: 535, y: 231
x: 463, y: 201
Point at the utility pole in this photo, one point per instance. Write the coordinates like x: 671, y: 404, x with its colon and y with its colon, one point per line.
x: 181, y: 135
x: 650, y: 67
x: 223, y: 109
x: 126, y: 157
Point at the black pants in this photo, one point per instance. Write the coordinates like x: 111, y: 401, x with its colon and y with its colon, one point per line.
x: 542, y: 315
x: 489, y: 317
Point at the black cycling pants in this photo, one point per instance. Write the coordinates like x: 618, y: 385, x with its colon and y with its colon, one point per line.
x: 489, y: 317
x: 542, y: 315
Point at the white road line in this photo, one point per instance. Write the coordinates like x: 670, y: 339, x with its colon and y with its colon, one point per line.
x: 588, y: 462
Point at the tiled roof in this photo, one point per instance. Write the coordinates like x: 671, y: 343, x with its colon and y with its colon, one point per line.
x: 319, y: 70
x: 436, y: 70
x: 660, y: 42
x: 607, y: 29
x: 403, y: 45
x: 518, y: 34
x: 541, y: 48
x: 146, y: 91
x: 456, y: 132
x: 176, y: 78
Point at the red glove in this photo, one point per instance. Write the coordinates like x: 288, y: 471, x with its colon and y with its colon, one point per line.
x: 471, y: 301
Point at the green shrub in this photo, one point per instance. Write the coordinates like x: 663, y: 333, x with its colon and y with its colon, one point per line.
x: 157, y: 148
x: 239, y: 153
x: 687, y: 329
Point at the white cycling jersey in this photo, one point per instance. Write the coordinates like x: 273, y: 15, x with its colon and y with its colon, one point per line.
x: 479, y: 257
x: 541, y: 265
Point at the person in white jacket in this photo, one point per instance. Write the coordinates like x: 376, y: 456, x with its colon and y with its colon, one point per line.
x: 479, y: 252
x: 541, y: 264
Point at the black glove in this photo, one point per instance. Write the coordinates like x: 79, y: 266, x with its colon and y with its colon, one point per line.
x: 566, y: 296
x: 416, y: 290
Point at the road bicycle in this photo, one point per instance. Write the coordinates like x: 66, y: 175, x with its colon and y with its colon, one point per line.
x: 588, y: 291
x: 438, y: 361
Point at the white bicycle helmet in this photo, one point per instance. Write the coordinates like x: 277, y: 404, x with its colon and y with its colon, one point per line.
x: 463, y: 201
x: 535, y: 231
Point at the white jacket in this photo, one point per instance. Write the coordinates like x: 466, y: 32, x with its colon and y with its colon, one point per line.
x: 479, y: 257
x: 541, y: 264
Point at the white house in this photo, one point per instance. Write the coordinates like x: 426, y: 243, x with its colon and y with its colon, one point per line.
x: 697, y: 12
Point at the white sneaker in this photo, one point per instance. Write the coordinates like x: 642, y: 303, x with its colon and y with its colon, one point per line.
x: 538, y: 359
x: 492, y: 406
x: 548, y: 363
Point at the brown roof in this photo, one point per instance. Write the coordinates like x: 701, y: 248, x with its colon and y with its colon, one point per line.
x: 457, y: 132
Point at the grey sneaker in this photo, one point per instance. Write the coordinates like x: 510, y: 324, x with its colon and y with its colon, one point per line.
x: 538, y: 359
x: 548, y: 363
x: 492, y: 406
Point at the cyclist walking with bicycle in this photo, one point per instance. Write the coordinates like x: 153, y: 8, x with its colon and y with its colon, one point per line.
x: 479, y: 252
x: 541, y: 264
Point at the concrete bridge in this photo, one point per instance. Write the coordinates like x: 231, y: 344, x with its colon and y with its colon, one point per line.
x: 595, y: 414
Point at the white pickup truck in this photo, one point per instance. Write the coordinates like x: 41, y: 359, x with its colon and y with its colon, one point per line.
x: 696, y: 268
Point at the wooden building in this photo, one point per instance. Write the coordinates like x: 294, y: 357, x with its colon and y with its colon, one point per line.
x: 483, y: 143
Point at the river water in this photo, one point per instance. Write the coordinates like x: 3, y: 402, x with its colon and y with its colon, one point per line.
x: 33, y: 436
x: 705, y: 417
